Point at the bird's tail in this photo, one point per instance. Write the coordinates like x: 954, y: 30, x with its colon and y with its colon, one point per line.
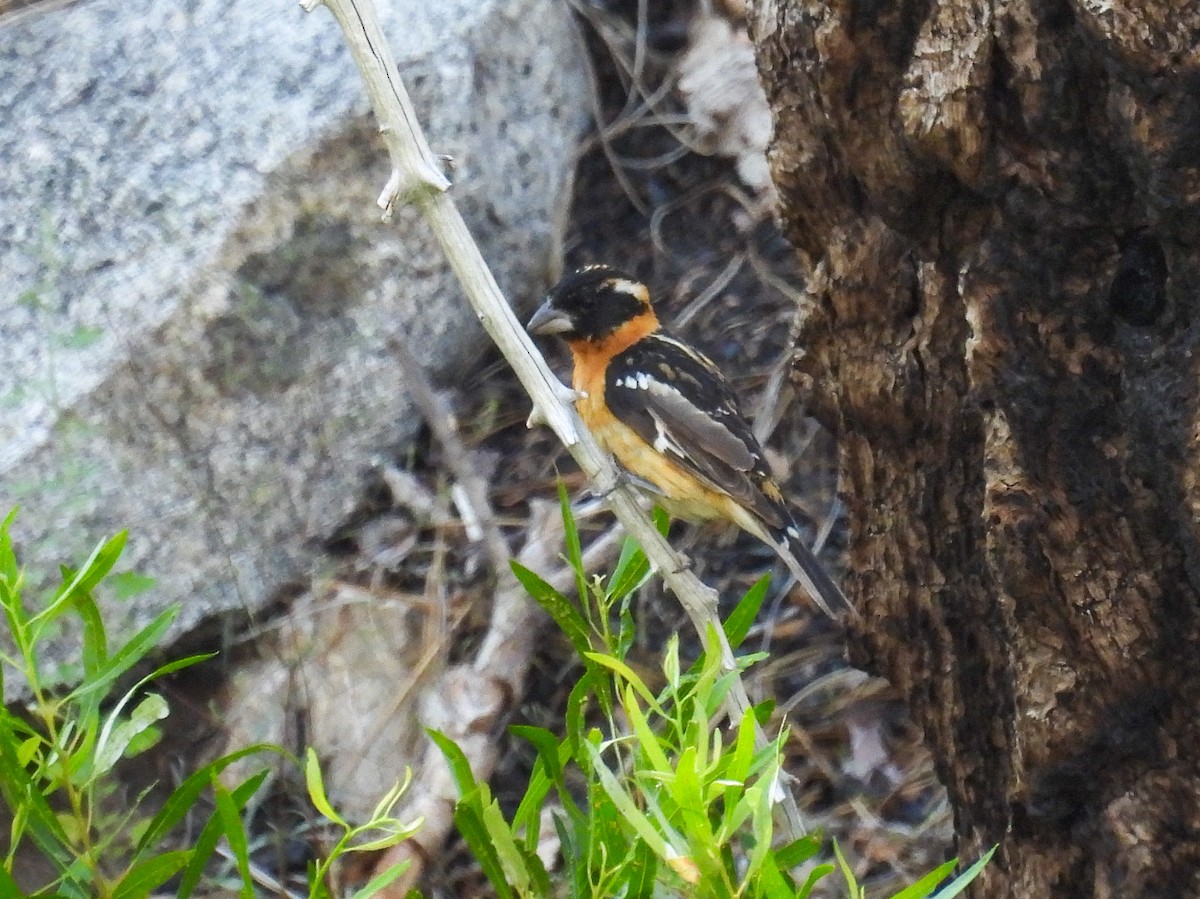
x: 809, y: 572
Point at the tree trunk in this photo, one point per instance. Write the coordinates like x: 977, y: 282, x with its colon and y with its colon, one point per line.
x: 996, y: 201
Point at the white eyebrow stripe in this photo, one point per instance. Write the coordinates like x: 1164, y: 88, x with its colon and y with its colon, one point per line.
x: 634, y: 288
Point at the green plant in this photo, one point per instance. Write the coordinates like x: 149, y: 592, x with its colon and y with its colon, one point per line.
x: 57, y: 762
x: 656, y: 800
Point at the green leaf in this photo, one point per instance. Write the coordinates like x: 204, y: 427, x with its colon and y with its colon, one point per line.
x: 577, y: 704
x: 799, y: 851
x: 9, y: 570
x: 736, y: 767
x: 963, y: 880
x: 774, y: 883
x: 639, y: 872
x: 387, y: 802
x: 547, y: 746
x: 315, y: 784
x: 117, y: 735
x: 516, y: 868
x: 647, y: 739
x: 235, y: 830
x: 742, y: 618
x: 820, y: 872
x: 25, y: 797
x: 206, y: 843
x: 628, y: 675
x: 763, y: 711
x: 95, y: 640
x: 928, y: 883
x: 553, y: 754
x: 127, y: 584
x: 145, y: 877
x: 743, y: 751
x: 626, y: 630
x: 146, y: 740
x: 662, y: 520
x: 379, y: 881
x: 460, y: 767
x: 564, y: 612
x: 853, y: 890
x: 139, y: 737
x: 28, y: 750
x: 176, y: 665
x: 8, y: 886
x: 471, y: 826
x: 184, y: 797
x: 689, y: 796
x: 670, y: 663
x: 571, y: 533
x: 628, y: 809
x: 99, y: 563
x: 388, y: 839
x: 130, y: 654
x: 631, y: 572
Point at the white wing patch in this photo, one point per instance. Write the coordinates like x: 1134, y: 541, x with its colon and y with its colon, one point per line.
x: 664, y: 442
x: 682, y: 428
x: 636, y: 381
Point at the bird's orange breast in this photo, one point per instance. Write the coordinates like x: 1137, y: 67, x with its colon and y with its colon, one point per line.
x: 683, y: 495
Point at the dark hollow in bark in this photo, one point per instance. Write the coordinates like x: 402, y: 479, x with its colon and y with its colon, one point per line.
x: 996, y: 202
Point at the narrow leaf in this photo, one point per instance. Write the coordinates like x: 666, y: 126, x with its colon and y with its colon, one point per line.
x: 963, y: 880
x: 460, y: 767
x: 632, y: 570
x: 564, y: 612
x: 628, y: 808
x: 235, y: 832
x: 853, y: 890
x: 130, y: 654
x: 145, y: 877
x: 470, y: 826
x: 820, y: 872
x: 799, y: 851
x: 184, y: 797
x: 379, y: 881
x: 742, y: 618
x: 114, y: 740
x: 629, y: 675
x: 9, y: 570
x: 206, y: 843
x: 99, y: 563
x: 928, y: 883
x: 516, y: 871
x: 315, y: 783
x: 127, y: 584
x: 571, y: 532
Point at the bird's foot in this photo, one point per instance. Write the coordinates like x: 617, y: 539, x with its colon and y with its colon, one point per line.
x: 624, y: 479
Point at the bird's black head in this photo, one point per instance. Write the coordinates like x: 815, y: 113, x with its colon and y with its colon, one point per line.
x: 590, y: 304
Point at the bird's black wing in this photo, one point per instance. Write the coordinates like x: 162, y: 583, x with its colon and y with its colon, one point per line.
x: 676, y: 400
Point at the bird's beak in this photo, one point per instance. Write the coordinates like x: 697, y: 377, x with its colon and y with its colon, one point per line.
x: 548, y: 320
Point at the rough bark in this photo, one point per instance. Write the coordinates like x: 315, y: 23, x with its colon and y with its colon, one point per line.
x: 996, y: 201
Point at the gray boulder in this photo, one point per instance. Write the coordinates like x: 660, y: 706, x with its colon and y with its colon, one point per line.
x: 197, y: 292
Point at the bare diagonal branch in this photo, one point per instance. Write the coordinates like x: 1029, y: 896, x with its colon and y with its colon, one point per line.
x: 416, y: 176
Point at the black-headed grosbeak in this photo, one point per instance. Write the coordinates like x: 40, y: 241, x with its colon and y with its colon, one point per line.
x: 669, y: 417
